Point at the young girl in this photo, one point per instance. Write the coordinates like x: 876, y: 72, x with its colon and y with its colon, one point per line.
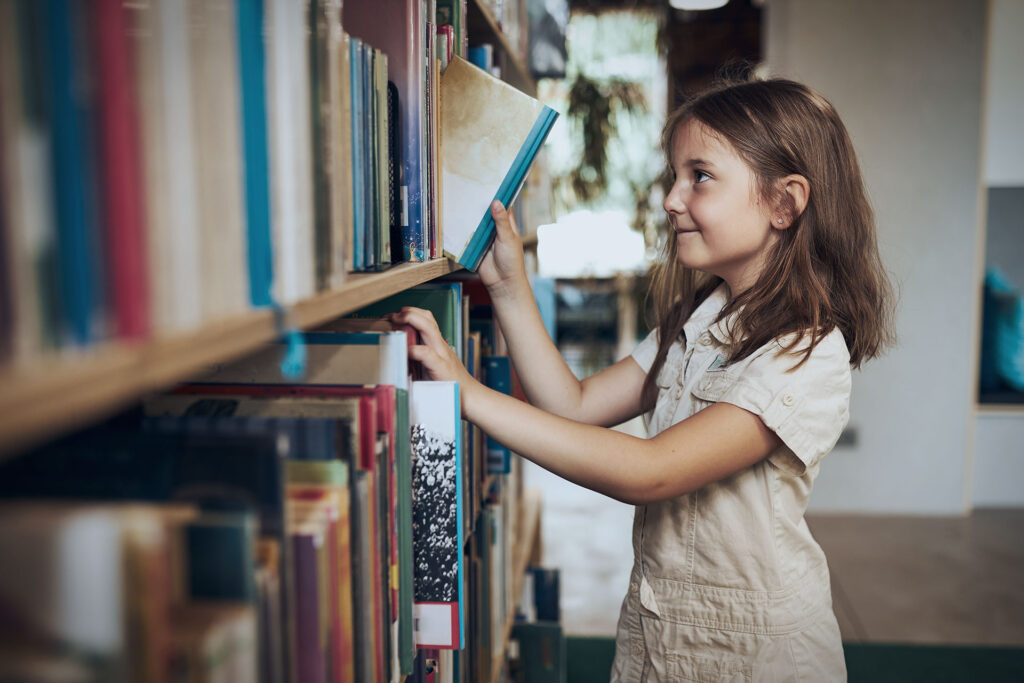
x: 770, y: 291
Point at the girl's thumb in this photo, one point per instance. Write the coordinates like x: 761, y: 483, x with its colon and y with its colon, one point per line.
x: 500, y: 218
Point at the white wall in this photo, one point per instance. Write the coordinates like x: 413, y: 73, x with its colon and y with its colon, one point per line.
x: 998, y: 466
x: 999, y: 461
x: 1004, y: 145
x: 907, y: 79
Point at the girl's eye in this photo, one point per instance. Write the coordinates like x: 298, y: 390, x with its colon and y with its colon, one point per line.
x: 700, y: 176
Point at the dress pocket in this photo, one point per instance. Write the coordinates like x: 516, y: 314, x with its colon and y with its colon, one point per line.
x: 707, y: 669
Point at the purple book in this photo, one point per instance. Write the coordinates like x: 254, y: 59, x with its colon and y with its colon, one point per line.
x: 310, y: 659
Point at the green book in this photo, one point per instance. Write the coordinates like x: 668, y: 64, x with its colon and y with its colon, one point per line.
x: 443, y: 299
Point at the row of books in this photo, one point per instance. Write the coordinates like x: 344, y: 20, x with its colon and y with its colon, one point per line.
x: 171, y: 163
x: 339, y: 525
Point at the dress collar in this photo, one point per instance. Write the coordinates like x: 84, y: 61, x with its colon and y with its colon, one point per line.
x: 704, y: 316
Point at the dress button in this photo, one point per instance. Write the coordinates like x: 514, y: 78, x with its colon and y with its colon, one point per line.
x: 705, y: 339
x: 638, y: 649
x: 705, y: 386
x: 679, y: 393
x: 788, y: 400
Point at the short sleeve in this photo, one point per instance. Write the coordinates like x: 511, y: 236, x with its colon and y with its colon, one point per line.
x: 645, y: 351
x: 808, y: 406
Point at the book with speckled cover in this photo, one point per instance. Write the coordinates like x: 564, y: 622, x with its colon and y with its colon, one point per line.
x: 437, y: 515
x: 490, y: 135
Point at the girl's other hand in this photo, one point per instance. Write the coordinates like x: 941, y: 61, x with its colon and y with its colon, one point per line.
x: 439, y: 360
x: 503, y: 264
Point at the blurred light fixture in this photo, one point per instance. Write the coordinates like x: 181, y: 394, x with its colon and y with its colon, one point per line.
x: 698, y: 4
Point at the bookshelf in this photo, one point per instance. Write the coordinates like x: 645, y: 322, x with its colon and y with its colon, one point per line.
x: 47, y: 395
x: 484, y: 28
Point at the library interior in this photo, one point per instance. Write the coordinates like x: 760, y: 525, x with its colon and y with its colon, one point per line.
x: 218, y: 460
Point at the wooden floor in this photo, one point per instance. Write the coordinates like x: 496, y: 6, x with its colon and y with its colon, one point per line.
x: 928, y: 580
x: 935, y: 580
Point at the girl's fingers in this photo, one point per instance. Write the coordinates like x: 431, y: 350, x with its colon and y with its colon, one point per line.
x: 424, y: 323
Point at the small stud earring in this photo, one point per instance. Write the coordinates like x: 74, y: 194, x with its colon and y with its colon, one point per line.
x: 779, y: 220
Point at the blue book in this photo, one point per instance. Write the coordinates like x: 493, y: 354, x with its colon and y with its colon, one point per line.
x: 359, y: 170
x: 74, y: 167
x: 498, y: 376
x: 368, y: 165
x: 492, y: 133
x: 254, y: 150
x: 482, y: 56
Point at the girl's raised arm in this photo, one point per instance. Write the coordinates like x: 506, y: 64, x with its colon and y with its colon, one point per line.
x: 607, y: 398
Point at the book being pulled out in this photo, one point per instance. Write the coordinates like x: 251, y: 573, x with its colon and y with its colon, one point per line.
x: 490, y: 135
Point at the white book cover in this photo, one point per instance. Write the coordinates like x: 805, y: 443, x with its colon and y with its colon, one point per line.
x: 437, y: 515
x: 168, y: 141
x: 298, y: 92
x: 490, y: 135
x: 217, y: 111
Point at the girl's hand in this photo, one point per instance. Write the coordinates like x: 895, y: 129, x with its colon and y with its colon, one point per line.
x: 503, y: 264
x: 438, y: 359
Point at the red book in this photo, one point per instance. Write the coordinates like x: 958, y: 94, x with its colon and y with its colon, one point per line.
x: 121, y: 171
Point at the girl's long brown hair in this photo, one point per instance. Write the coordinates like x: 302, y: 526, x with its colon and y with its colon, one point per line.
x: 825, y: 271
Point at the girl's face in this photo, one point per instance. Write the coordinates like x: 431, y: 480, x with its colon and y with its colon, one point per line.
x: 721, y: 226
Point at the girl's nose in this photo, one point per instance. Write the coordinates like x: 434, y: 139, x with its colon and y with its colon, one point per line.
x: 675, y: 202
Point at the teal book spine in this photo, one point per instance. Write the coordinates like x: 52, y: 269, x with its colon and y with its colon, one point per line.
x: 252, y: 64
x: 74, y: 157
x: 509, y: 189
x: 358, y: 169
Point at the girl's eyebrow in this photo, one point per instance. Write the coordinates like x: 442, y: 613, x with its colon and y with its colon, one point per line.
x: 697, y: 162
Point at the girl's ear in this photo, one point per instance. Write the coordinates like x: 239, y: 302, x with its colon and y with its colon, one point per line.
x: 796, y: 191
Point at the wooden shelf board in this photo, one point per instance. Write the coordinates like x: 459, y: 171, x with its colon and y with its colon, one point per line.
x: 531, y: 529
x: 53, y: 395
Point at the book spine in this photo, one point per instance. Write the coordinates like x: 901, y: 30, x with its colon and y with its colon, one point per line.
x: 381, y: 134
x: 73, y: 159
x: 320, y: 104
x: 26, y: 176
x: 498, y: 376
x: 217, y: 117
x: 358, y: 168
x: 310, y: 659
x: 370, y: 217
x: 184, y: 281
x: 394, y: 175
x: 282, y: 158
x: 336, y: 149
x: 346, y: 182
x: 127, y: 275
x: 252, y: 64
